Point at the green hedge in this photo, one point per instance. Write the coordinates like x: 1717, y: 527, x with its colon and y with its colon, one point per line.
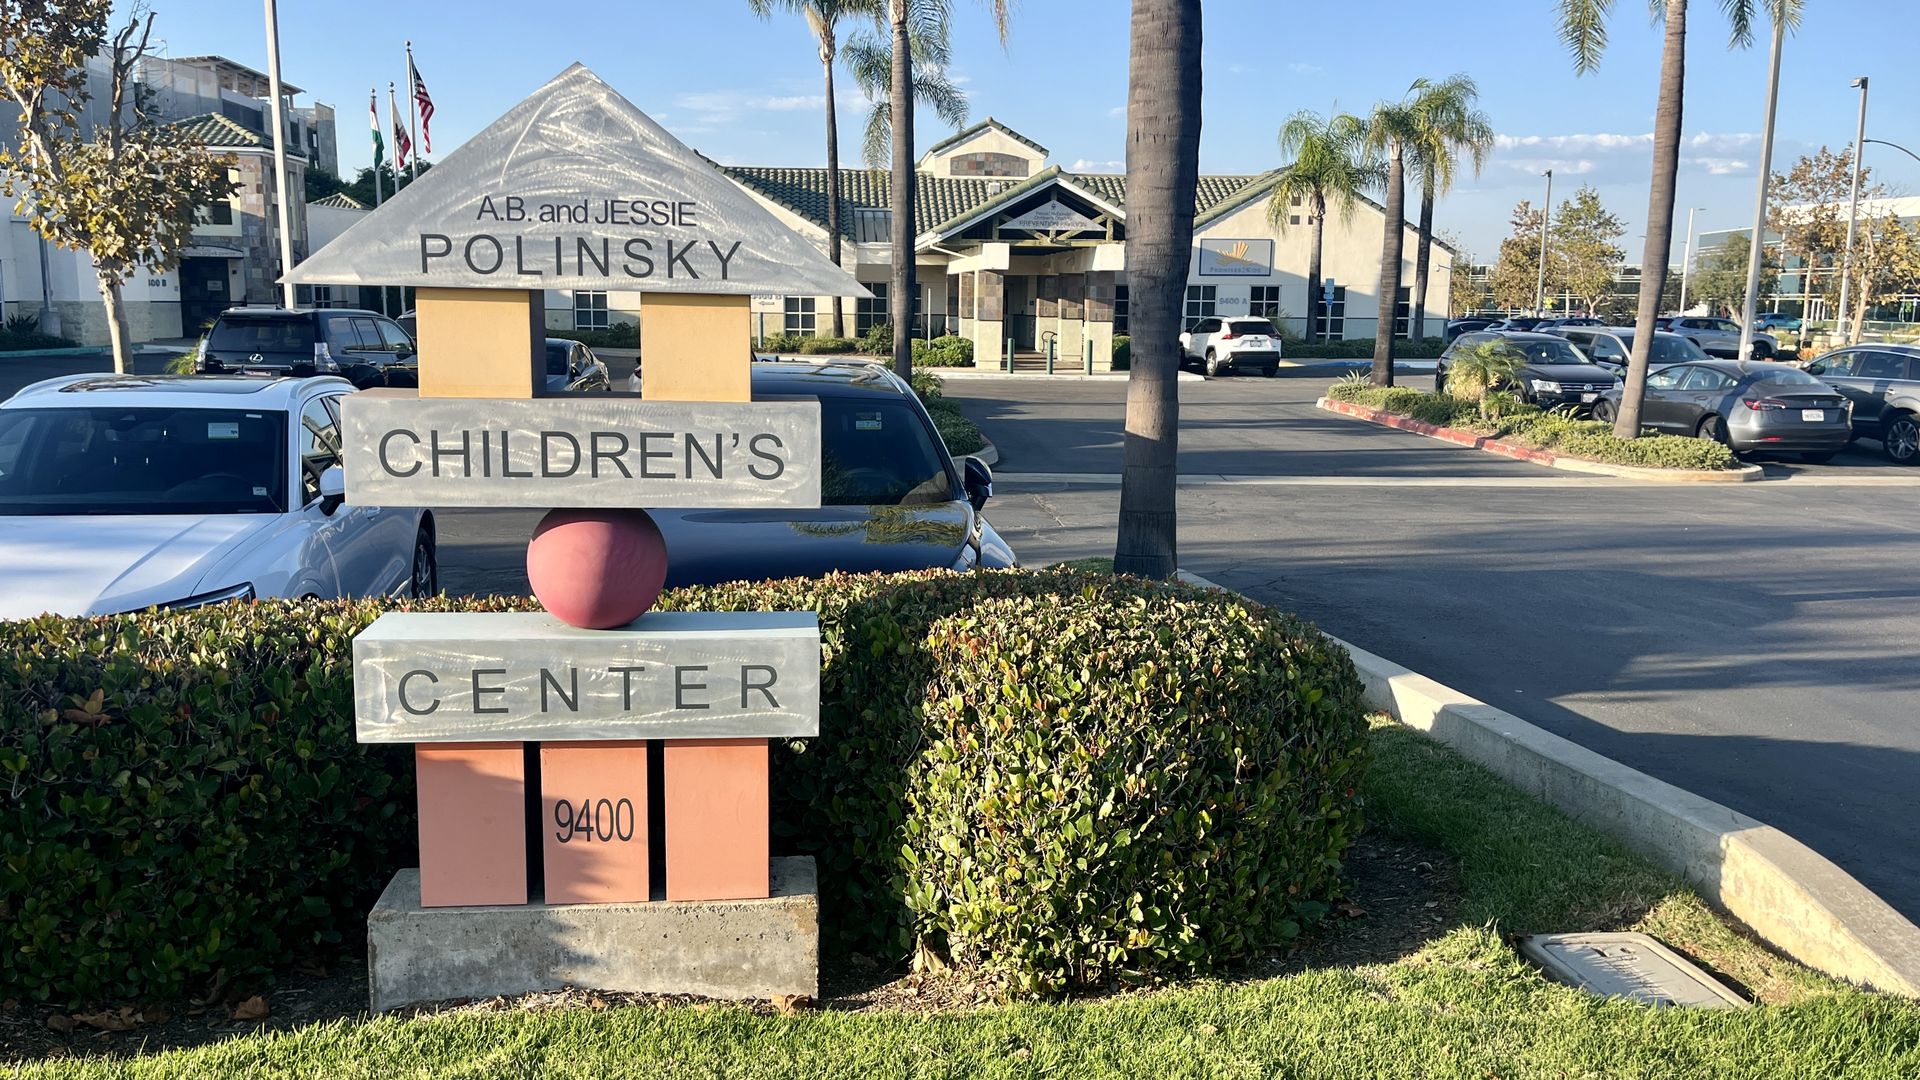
x: 1123, y: 353
x: 1362, y: 349
x: 189, y: 807
x: 21, y: 332
x: 948, y: 350
x: 617, y: 336
x: 1527, y: 425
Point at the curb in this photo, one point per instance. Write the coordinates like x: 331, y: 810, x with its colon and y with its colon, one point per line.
x: 66, y: 350
x: 964, y: 374
x: 1473, y: 441
x: 1792, y: 897
x: 988, y: 454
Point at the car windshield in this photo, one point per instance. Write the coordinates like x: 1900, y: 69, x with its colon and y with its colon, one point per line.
x: 1669, y: 349
x: 557, y: 358
x: 1555, y: 351
x: 1252, y: 326
x: 878, y: 453
x: 142, y: 461
x: 292, y: 335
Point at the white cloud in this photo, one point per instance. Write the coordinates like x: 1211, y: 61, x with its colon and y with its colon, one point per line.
x: 1299, y: 68
x: 716, y: 107
x: 1606, y: 157
x: 1090, y: 165
x: 1119, y: 111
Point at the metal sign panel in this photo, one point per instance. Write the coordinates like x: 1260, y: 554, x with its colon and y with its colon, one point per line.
x: 399, y: 449
x: 1629, y: 965
x: 1053, y: 216
x: 1235, y: 258
x: 433, y: 677
x: 575, y: 188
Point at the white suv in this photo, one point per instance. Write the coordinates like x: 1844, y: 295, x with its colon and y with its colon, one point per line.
x: 119, y: 493
x: 1240, y: 344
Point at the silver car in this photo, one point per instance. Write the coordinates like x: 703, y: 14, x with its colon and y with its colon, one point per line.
x: 1721, y: 337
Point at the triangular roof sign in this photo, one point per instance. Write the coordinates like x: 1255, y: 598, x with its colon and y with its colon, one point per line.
x: 575, y: 188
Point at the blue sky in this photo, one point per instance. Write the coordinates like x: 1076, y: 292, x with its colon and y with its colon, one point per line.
x: 747, y: 91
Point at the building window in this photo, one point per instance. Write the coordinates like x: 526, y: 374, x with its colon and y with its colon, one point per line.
x: 1296, y: 201
x: 589, y: 309
x: 869, y: 312
x: 987, y: 163
x: 1119, y: 309
x: 1200, y: 303
x: 1402, y: 315
x: 219, y: 213
x: 1264, y: 301
x: 1333, y: 319
x: 799, y: 316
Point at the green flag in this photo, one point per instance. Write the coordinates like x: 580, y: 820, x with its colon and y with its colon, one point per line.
x: 373, y: 115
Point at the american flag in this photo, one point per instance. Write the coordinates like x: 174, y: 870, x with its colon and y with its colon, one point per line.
x: 425, y: 102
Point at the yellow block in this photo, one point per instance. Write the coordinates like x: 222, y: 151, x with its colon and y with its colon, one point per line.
x: 481, y: 342
x: 696, y: 347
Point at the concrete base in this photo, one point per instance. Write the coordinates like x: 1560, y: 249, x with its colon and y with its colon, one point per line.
x: 716, y: 948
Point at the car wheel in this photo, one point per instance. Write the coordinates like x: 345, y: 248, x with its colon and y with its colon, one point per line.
x: 1603, y: 411
x: 1271, y: 370
x: 1762, y: 351
x: 1713, y: 429
x: 425, y: 578
x: 1902, y: 439
x: 1213, y: 364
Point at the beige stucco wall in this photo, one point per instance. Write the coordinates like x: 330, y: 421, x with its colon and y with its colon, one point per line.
x: 990, y: 141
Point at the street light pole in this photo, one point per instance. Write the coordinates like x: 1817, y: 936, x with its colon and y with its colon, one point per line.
x: 1686, y: 268
x: 1758, y: 242
x: 1853, y: 215
x: 1546, y: 219
x: 283, y: 191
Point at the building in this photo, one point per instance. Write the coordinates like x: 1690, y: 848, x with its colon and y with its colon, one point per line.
x: 234, y: 257
x: 1010, y: 248
x: 1804, y: 290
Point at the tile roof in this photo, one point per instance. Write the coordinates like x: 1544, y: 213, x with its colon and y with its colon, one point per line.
x: 941, y: 199
x: 340, y: 200
x: 964, y: 134
x: 212, y: 129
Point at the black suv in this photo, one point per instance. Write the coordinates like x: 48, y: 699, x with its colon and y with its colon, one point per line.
x: 1552, y: 372
x: 365, y: 346
x: 1882, y: 383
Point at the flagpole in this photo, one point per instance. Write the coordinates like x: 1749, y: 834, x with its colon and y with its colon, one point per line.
x: 283, y: 192
x: 413, y: 118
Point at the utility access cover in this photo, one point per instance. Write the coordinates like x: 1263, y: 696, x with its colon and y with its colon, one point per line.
x: 1627, y: 965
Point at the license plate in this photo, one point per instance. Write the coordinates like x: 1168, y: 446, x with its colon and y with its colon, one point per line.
x: 1589, y: 397
x: 1813, y: 415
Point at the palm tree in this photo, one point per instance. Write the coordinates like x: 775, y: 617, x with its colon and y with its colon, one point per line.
x: 823, y: 18
x: 1163, y: 165
x: 1449, y: 126
x: 904, y: 20
x: 1328, y: 167
x: 1583, y: 28
x: 870, y: 61
x: 1392, y: 131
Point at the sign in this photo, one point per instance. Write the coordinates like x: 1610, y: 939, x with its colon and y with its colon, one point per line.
x: 1235, y: 258
x: 1052, y: 216
x: 575, y: 188
x: 434, y: 677
x: 596, y: 452
x: 767, y: 305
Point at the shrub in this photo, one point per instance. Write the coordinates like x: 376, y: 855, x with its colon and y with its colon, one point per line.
x: 1362, y: 349
x: 928, y: 385
x: 961, y: 435
x: 623, y: 335
x: 1122, y: 353
x: 781, y: 343
x: 189, y: 807
x: 1128, y: 791
x: 837, y: 346
x: 948, y: 350
x: 22, y: 333
x: 878, y: 340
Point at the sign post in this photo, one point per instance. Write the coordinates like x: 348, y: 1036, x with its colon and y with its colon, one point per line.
x: 550, y: 721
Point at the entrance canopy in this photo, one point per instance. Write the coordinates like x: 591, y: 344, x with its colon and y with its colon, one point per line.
x: 1049, y: 212
x: 575, y: 188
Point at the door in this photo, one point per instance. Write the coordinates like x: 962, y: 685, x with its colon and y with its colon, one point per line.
x: 1879, y: 375
x: 1843, y: 371
x: 376, y: 543
x: 1201, y: 336
x: 1698, y: 396
x: 1660, y: 407
x: 326, y: 549
x: 203, y: 294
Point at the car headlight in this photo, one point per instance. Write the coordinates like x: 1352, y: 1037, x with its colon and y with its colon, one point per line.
x: 1544, y: 386
x: 242, y: 591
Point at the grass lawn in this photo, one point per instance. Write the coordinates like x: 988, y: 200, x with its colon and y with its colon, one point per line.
x: 1463, y: 1005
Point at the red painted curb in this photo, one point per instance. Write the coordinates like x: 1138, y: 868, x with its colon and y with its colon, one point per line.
x: 1459, y: 436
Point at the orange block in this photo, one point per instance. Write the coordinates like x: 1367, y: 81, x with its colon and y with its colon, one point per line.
x: 473, y: 823
x: 593, y: 821
x: 716, y: 819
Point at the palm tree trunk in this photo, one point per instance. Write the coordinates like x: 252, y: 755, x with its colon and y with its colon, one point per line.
x: 827, y: 52
x: 900, y: 292
x: 1391, y: 251
x: 1666, y: 169
x: 1420, y: 260
x: 1163, y: 163
x: 119, y: 333
x: 1316, y: 291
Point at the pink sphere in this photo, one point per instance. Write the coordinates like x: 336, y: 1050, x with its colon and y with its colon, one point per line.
x: 597, y: 569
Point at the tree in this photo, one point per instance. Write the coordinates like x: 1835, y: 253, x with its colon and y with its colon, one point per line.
x: 1585, y: 236
x: 1806, y: 208
x: 904, y: 20
x: 823, y: 19
x: 1721, y: 278
x: 1329, y: 167
x: 870, y: 60
x: 1464, y: 294
x: 390, y: 184
x: 1583, y: 29
x: 1450, y: 126
x: 101, y: 177
x: 1392, y: 130
x: 321, y: 183
x: 1516, y: 273
x: 1886, y: 266
x: 1163, y: 168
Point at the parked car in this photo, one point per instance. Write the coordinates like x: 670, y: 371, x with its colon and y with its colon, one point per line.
x: 1883, y: 383
x: 1553, y: 374
x: 1777, y: 320
x: 119, y: 493
x: 1610, y: 346
x: 1467, y: 326
x: 1517, y: 323
x: 892, y: 497
x: 1751, y: 406
x: 1721, y: 337
x: 572, y: 367
x: 1571, y: 320
x: 365, y: 347
x: 1232, y: 344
